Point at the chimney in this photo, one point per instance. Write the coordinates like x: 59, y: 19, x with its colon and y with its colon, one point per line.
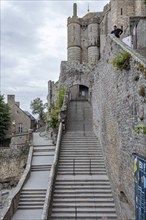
x: 11, y: 99
x: 18, y: 104
x: 74, y: 10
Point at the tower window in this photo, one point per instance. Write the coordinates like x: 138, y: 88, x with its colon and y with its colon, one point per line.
x: 121, y: 11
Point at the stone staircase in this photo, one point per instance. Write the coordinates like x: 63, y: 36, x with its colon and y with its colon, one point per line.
x: 33, y: 193
x: 82, y: 188
x: 32, y: 199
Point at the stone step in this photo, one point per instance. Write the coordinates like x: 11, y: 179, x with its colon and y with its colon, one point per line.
x: 30, y: 207
x: 84, y: 201
x: 43, y: 150
x: 80, y: 150
x: 82, y: 184
x: 79, y: 134
x: 37, y: 154
x: 81, y: 173
x: 33, y: 190
x: 83, y: 187
x: 50, y: 147
x: 81, y: 159
x: 85, y: 196
x: 81, y: 163
x: 81, y: 154
x: 80, y: 143
x: 77, y: 157
x: 32, y: 199
x: 83, y: 168
x: 78, y: 138
x: 31, y: 203
x: 43, y: 145
x: 84, y: 210
x: 78, y: 164
x: 84, y: 172
x: 41, y: 167
x: 33, y: 193
x: 83, y: 179
x: 82, y: 191
x: 84, y: 149
x: 80, y: 216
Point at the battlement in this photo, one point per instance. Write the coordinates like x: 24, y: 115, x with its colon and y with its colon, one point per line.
x: 71, y: 20
x: 87, y: 35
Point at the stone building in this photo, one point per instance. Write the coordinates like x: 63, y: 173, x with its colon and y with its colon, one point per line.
x: 21, y: 121
x: 83, y: 37
x: 86, y: 40
x: 114, y: 95
x: 86, y: 35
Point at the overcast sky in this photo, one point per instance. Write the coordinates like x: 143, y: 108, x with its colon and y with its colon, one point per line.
x: 33, y: 44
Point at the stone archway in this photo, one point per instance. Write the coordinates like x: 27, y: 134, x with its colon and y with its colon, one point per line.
x: 79, y: 92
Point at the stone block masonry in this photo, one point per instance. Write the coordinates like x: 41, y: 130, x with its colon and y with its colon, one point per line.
x: 13, y: 161
x: 117, y: 108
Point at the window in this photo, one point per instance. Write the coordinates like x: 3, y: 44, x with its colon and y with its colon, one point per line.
x: 20, y: 127
x: 121, y: 11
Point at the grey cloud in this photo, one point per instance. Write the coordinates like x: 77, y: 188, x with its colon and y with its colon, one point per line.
x: 33, y: 39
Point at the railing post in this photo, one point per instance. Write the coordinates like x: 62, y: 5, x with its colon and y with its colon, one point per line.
x: 75, y: 212
x: 74, y: 167
x: 90, y: 166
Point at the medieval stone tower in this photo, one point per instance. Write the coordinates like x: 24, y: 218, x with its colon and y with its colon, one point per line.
x: 86, y: 38
x: 87, y: 35
x: 83, y: 37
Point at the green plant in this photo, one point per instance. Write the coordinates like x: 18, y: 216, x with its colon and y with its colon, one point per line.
x: 60, y: 96
x: 55, y: 110
x: 4, y: 118
x: 38, y: 107
x: 142, y: 91
x: 139, y: 128
x: 53, y: 119
x: 122, y: 61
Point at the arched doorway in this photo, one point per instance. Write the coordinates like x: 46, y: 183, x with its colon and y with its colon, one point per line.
x: 79, y: 92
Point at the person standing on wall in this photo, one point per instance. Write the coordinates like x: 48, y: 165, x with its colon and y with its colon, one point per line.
x: 117, y: 31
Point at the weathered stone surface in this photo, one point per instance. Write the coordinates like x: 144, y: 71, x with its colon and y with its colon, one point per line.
x: 73, y: 74
x: 117, y: 109
x: 13, y: 161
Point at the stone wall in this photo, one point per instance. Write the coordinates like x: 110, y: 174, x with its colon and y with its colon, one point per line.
x: 141, y: 34
x: 73, y: 74
x: 117, y: 108
x: 18, y: 116
x: 140, y: 9
x: 52, y: 93
x: 13, y: 161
